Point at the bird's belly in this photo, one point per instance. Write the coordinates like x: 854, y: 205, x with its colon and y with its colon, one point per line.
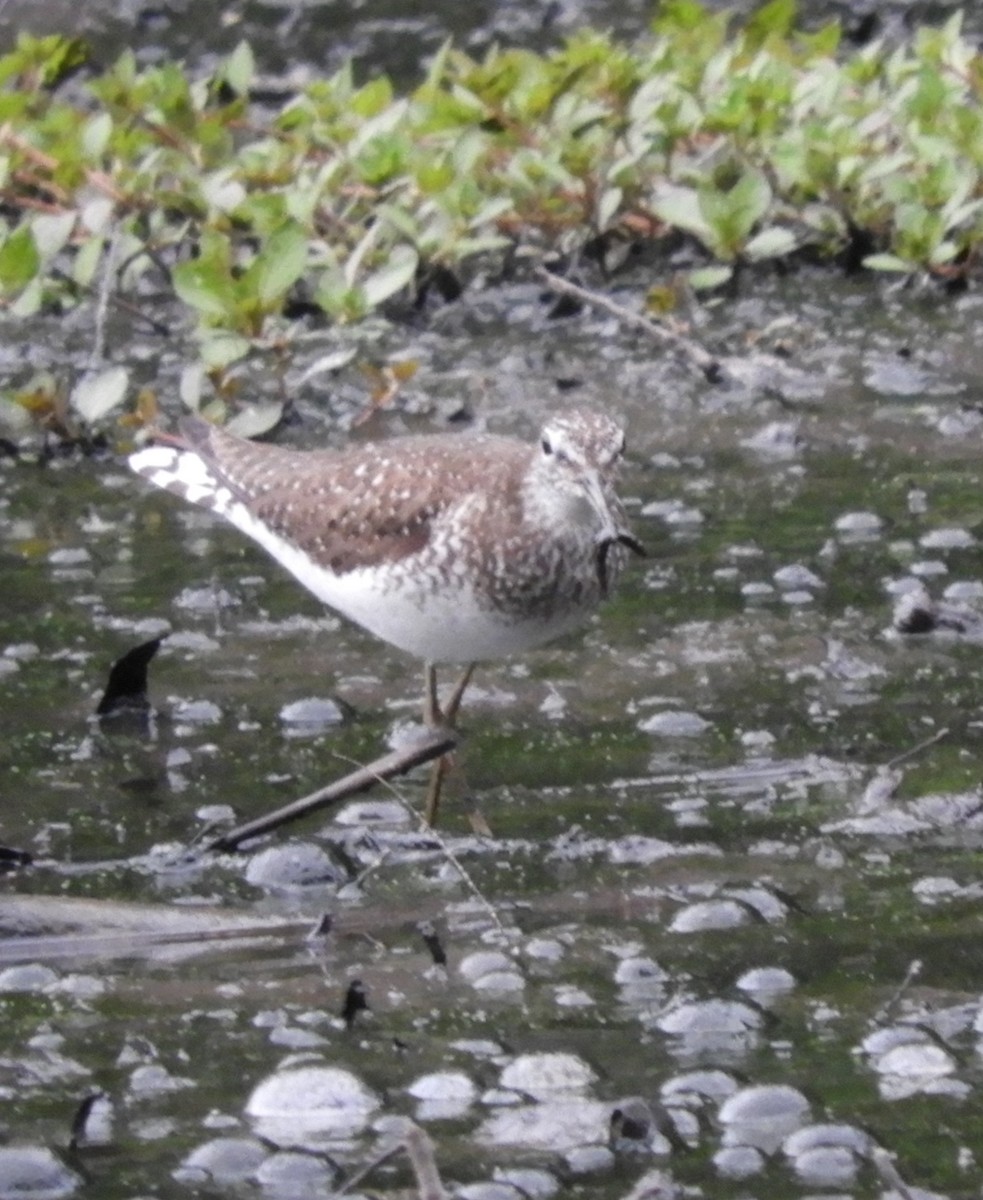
x: 440, y: 625
x: 441, y: 622
x: 436, y: 615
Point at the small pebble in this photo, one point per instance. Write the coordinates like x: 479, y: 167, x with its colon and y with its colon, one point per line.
x: 673, y: 723
x: 947, y: 539
x: 291, y: 866
x: 196, y: 712
x: 31, y: 977
x: 710, y: 914
x: 305, y: 718
x: 763, y: 1116
x: 858, y: 526
x: 34, y: 1173
x: 545, y: 1075
x: 929, y: 568
x: 224, y: 1160
x: 796, y: 576
x: 312, y: 1098
x: 766, y: 981
x: 739, y: 1162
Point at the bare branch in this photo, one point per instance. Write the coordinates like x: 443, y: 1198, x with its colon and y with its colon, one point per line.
x: 396, y: 763
x: 691, y: 350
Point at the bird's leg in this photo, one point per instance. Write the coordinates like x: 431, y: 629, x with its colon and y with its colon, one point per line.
x: 454, y: 703
x: 435, y: 785
x: 433, y: 718
x: 437, y: 718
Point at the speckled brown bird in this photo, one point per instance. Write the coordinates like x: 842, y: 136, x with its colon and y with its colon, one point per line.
x: 455, y: 548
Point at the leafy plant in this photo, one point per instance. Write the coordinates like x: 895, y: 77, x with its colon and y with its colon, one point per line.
x: 752, y: 140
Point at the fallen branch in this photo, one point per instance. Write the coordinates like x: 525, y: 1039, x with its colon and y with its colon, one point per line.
x: 691, y: 350
x: 396, y: 763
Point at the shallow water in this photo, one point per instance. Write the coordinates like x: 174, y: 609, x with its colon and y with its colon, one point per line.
x: 712, y: 938
x: 680, y: 797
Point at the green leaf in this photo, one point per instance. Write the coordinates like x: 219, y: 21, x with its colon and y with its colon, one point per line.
x: 28, y: 303
x: 675, y: 15
x: 680, y: 208
x: 732, y: 213
x: 704, y: 279
x: 773, y: 242
x: 239, y: 69
x: 19, y: 259
x: 279, y: 264
x: 191, y: 385
x: 607, y: 206
x: 96, y: 134
x: 338, y: 297
x: 96, y: 395
x: 943, y: 253
x: 776, y: 17
x: 383, y: 157
x: 204, y: 286
x: 219, y: 348
x: 491, y: 210
x: 888, y: 262
x: 256, y: 420
x: 402, y: 221
x: 223, y: 189
x: 395, y: 275
x: 87, y: 261
x: 96, y: 214
x: 51, y: 232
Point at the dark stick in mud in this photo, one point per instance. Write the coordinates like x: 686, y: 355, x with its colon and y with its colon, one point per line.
x: 360, y: 780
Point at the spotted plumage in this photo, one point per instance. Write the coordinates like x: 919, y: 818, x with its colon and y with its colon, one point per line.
x: 455, y: 548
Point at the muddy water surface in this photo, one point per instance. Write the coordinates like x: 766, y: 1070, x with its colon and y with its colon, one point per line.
x: 701, y: 896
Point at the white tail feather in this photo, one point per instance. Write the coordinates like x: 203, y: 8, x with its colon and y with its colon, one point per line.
x: 184, y: 474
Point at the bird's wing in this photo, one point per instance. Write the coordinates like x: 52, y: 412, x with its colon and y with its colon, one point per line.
x: 372, y: 503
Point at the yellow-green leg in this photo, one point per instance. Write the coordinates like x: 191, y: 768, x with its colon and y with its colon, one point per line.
x: 436, y: 717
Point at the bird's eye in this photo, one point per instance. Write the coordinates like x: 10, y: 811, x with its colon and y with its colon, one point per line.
x: 547, y: 447
x: 623, y: 447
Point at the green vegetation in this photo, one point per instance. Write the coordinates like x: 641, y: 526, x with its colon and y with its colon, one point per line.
x: 756, y: 142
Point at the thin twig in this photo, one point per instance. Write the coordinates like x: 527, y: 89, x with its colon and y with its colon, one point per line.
x: 914, y: 970
x: 885, y: 1167
x: 691, y: 350
x: 447, y: 852
x: 419, y: 1149
x: 106, y: 281
x: 915, y: 750
x: 396, y: 763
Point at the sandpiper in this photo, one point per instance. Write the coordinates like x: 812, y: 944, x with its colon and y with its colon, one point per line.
x: 456, y: 548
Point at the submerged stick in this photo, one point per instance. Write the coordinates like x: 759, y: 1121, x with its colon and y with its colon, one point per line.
x: 396, y: 763
x: 916, y: 750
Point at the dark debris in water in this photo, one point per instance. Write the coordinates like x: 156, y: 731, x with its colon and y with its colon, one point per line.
x: 126, y: 688
x: 11, y: 858
x: 356, y: 1001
